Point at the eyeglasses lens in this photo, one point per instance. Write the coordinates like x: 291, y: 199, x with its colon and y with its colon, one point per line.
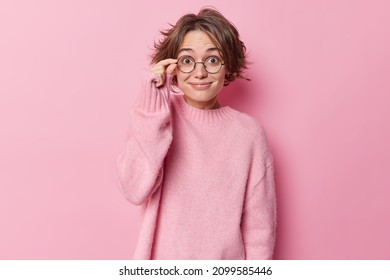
x: 187, y: 64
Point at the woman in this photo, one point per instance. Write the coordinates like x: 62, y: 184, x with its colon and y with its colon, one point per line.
x: 203, y: 171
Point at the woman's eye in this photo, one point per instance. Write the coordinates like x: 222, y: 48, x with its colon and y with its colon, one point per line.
x: 186, y: 60
x: 213, y: 60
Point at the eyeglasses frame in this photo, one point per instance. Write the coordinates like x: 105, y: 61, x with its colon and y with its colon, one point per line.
x: 202, y: 62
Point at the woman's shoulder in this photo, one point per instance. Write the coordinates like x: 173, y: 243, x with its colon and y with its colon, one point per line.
x: 252, y: 133
x: 250, y: 124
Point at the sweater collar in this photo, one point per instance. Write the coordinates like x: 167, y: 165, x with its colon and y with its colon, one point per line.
x: 201, y: 115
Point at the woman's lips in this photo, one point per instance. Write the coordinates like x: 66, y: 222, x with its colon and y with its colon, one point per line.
x: 200, y: 86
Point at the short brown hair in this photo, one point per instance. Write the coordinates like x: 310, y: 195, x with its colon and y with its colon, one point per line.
x: 221, y: 32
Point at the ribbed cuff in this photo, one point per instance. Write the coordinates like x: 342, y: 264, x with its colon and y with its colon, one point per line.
x: 153, y: 99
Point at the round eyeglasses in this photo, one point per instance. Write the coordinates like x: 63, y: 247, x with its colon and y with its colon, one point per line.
x: 187, y: 64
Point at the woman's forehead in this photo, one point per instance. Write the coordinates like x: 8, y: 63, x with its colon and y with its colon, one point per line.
x: 197, y: 39
x: 197, y: 42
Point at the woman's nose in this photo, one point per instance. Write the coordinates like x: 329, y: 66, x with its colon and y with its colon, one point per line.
x: 200, y: 70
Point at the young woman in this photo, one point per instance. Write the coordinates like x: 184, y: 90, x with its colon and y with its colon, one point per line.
x: 203, y: 171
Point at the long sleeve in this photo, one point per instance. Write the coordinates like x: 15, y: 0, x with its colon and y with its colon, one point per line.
x: 258, y: 224
x: 140, y: 165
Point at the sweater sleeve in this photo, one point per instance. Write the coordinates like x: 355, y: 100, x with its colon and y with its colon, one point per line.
x: 258, y: 224
x: 140, y: 165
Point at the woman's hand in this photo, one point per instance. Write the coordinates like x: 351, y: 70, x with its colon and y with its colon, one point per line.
x: 163, y: 68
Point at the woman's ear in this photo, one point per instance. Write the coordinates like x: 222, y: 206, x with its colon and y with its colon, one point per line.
x: 228, y: 78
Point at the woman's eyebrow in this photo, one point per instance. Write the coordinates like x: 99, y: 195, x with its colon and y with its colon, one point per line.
x: 185, y: 50
x: 191, y: 50
x: 212, y: 49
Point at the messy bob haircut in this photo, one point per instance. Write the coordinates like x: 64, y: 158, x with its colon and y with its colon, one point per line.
x: 221, y: 32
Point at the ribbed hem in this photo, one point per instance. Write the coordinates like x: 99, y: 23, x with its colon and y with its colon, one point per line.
x: 153, y: 99
x: 204, y: 116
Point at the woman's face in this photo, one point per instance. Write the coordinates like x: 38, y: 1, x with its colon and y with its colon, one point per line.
x: 200, y: 88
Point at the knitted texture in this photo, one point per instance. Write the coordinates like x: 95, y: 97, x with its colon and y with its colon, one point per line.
x: 205, y: 178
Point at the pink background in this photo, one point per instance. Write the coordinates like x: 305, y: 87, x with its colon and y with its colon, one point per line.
x: 69, y: 71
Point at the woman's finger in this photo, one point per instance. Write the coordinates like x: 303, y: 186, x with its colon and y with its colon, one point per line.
x: 167, y: 61
x: 171, y: 68
x: 163, y: 67
x: 161, y: 80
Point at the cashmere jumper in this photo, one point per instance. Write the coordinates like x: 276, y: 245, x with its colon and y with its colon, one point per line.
x: 204, y: 177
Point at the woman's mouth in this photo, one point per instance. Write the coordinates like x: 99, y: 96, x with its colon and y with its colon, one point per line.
x: 200, y: 86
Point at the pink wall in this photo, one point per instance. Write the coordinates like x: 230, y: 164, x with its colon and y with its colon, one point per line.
x: 69, y: 71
